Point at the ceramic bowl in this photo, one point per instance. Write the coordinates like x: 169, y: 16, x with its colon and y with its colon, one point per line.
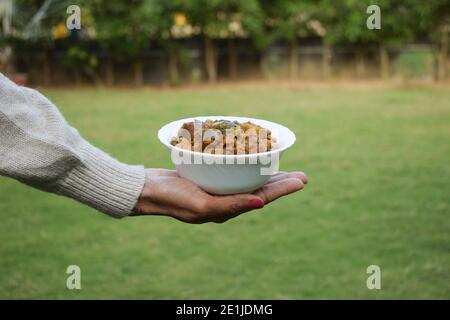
x: 227, y: 174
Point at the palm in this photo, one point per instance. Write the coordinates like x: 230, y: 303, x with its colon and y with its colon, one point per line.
x: 166, y: 193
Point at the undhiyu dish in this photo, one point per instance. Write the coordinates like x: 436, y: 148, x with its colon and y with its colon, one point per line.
x: 226, y: 155
x: 226, y: 137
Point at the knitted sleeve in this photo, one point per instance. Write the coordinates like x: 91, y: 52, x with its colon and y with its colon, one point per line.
x: 39, y: 148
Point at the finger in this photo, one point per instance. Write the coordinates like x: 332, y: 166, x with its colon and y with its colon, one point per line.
x: 285, y: 175
x: 279, y: 173
x: 222, y: 208
x: 275, y: 190
x: 162, y: 172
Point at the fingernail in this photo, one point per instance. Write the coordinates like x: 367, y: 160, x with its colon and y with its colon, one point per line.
x: 256, y: 203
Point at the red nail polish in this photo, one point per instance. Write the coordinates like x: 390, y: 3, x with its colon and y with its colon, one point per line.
x: 256, y: 203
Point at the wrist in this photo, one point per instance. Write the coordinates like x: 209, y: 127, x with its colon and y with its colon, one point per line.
x: 104, y: 183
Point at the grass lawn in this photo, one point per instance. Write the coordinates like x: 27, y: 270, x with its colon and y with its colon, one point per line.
x: 379, y: 193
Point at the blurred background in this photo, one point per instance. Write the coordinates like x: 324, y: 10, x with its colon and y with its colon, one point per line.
x: 370, y: 109
x: 174, y: 42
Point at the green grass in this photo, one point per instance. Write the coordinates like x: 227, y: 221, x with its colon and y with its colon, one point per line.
x: 379, y: 193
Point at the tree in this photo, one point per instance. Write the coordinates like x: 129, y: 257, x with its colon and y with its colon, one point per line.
x: 290, y: 21
x: 397, y: 29
x: 346, y: 23
x: 142, y: 30
x: 433, y: 24
x: 171, y: 24
x: 203, y: 15
x: 6, y: 13
x: 32, y: 22
x: 224, y: 19
x: 124, y: 29
x: 238, y: 19
x: 107, y: 20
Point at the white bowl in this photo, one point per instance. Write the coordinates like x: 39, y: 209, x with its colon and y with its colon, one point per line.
x: 227, y: 174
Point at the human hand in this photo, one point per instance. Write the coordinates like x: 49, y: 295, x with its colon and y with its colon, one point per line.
x: 166, y: 193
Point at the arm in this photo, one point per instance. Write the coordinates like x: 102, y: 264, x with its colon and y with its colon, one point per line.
x: 39, y: 148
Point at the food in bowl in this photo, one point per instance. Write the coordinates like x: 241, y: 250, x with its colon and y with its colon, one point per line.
x: 222, y: 172
x: 224, y: 137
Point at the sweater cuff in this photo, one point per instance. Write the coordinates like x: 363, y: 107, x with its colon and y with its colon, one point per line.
x: 104, y: 183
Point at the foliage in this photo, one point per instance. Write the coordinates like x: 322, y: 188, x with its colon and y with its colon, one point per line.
x: 79, y: 60
x: 34, y: 20
x: 345, y: 21
x: 289, y: 20
x: 126, y: 29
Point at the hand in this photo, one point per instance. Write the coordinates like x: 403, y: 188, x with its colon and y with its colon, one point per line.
x: 166, y: 193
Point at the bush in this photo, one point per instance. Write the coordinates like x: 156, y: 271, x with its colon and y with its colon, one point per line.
x: 81, y: 63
